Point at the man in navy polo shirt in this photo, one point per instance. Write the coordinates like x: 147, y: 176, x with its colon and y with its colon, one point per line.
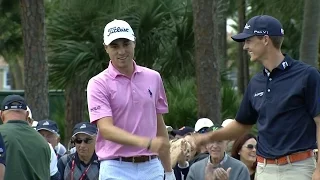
x: 283, y: 99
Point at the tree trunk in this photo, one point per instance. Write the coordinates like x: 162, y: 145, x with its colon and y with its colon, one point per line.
x: 35, y: 62
x: 16, y: 72
x: 309, y: 46
x: 242, y: 62
x: 222, y: 31
x: 75, y: 106
x: 206, y: 56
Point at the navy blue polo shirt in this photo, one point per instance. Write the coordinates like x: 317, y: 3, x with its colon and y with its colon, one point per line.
x: 283, y: 103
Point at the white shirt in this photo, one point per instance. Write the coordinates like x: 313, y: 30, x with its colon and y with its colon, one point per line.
x: 53, y: 162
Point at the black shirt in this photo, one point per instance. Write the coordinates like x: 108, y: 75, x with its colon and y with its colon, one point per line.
x: 283, y: 103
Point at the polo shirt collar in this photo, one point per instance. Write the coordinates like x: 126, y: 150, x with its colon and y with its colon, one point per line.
x: 287, y: 62
x: 94, y: 159
x: 18, y: 122
x: 115, y: 72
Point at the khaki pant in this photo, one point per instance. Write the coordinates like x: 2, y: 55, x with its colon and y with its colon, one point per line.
x: 301, y: 170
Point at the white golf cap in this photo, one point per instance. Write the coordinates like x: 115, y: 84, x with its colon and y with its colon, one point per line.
x: 117, y: 29
x: 202, y: 123
x: 226, y: 122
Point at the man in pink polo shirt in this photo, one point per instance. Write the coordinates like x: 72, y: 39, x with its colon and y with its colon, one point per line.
x: 127, y: 101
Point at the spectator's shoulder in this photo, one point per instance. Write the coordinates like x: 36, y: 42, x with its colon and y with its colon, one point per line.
x: 199, y: 163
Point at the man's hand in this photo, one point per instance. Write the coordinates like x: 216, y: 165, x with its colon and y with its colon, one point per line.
x: 316, y: 174
x: 221, y: 174
x: 198, y: 140
x: 182, y: 158
x: 209, y: 172
x: 160, y: 145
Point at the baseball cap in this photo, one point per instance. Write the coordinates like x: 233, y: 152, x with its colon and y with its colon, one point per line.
x: 183, y: 131
x: 85, y: 128
x: 260, y: 26
x: 213, y: 128
x: 48, y: 125
x: 226, y: 122
x: 13, y: 102
x: 203, y: 123
x: 117, y: 29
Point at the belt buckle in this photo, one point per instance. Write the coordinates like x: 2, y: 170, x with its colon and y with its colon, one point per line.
x: 133, y: 159
x: 276, y: 161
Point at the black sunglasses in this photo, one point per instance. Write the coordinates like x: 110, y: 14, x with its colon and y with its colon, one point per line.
x: 251, y: 146
x: 79, y: 141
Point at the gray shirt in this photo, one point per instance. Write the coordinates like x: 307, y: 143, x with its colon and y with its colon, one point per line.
x: 238, y: 170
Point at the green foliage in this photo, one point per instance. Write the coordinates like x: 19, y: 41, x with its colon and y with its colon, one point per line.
x: 181, y: 95
x: 182, y: 100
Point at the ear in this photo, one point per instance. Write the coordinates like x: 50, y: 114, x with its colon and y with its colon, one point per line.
x: 106, y: 48
x: 1, y: 115
x: 266, y: 40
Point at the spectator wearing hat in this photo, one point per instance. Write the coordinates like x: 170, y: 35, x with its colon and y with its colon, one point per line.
x: 28, y: 154
x: 50, y: 131
x: 183, y: 131
x: 83, y: 164
x: 219, y: 165
x: 54, y: 173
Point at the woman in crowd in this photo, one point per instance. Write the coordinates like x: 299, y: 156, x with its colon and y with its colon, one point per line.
x: 244, y: 149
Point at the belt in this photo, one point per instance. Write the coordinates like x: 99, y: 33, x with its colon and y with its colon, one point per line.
x: 299, y: 156
x: 136, y: 159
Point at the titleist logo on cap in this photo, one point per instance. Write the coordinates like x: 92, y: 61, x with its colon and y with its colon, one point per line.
x: 117, y: 29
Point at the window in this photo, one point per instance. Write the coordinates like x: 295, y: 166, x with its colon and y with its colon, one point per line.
x: 6, y: 79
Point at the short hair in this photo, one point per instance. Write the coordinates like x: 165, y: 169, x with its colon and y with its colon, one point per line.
x: 276, y: 40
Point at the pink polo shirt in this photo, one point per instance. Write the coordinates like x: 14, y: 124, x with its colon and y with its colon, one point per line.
x: 133, y: 103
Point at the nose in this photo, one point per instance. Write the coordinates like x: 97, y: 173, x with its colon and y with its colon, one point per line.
x: 121, y: 50
x: 245, y: 46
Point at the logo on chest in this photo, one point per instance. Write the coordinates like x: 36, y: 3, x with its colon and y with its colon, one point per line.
x: 258, y: 94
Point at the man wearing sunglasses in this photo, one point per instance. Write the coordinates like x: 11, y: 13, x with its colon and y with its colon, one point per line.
x: 83, y: 164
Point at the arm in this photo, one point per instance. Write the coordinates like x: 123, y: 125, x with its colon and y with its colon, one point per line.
x: 246, y: 117
x: 118, y: 135
x: 162, y: 132
x: 230, y: 132
x: 317, y: 121
x: 2, y: 171
x: 100, y: 112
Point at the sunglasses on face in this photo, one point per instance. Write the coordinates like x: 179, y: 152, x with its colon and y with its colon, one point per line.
x: 251, y: 146
x: 79, y: 141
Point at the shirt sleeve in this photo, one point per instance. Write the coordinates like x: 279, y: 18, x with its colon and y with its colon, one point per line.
x: 53, y: 162
x: 2, y: 151
x: 98, y: 101
x: 312, y: 91
x: 246, y: 114
x: 162, y: 103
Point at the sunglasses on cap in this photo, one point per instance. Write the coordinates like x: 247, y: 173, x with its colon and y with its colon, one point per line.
x: 203, y: 130
x: 251, y: 146
x: 79, y: 141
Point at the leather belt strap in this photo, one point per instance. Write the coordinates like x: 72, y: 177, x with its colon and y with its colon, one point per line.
x: 136, y: 159
x: 295, y: 157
